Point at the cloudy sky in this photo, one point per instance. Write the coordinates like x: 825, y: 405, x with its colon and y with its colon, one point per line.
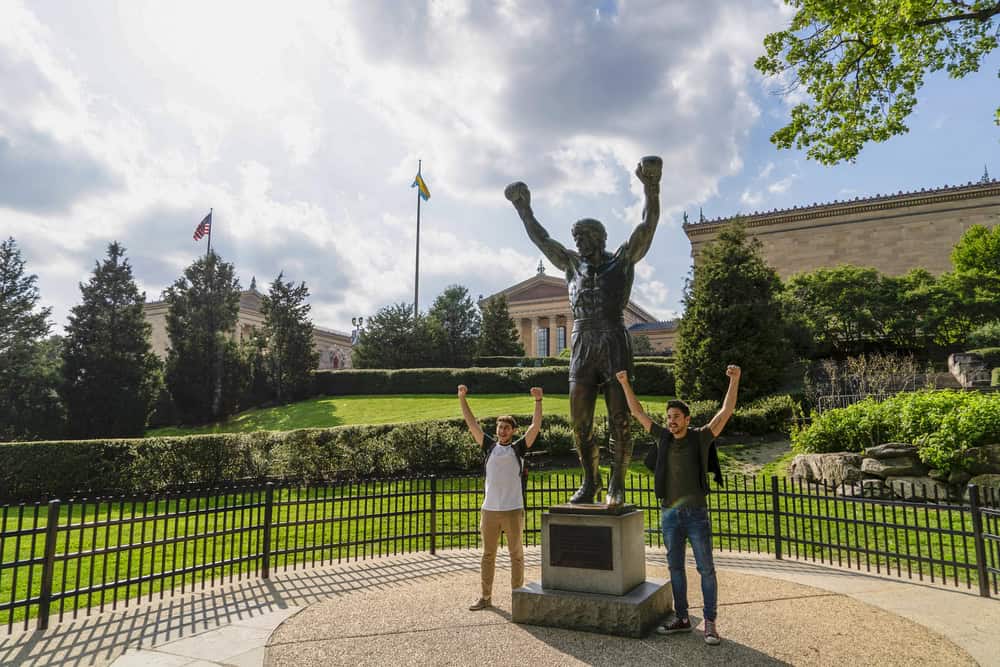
x: 301, y: 124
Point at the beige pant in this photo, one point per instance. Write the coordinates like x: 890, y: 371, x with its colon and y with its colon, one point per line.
x: 490, y: 525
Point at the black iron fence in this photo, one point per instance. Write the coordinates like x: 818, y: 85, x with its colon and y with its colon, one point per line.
x: 85, y: 555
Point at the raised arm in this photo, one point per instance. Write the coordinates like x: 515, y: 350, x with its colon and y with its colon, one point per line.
x: 648, y: 171
x: 729, y: 402
x: 520, y: 197
x: 633, y: 403
x: 470, y: 419
x: 536, y: 418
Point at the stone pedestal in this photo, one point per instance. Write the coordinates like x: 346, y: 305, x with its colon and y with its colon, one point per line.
x: 593, y: 574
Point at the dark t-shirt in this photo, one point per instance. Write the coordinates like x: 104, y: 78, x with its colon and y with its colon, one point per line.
x: 683, y: 465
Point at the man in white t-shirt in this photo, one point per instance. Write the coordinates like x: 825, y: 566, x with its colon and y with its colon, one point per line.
x: 503, y: 506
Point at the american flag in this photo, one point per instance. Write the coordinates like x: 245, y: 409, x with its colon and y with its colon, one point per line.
x: 204, y: 227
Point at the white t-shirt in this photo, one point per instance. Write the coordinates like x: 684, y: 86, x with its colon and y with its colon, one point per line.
x: 503, y: 480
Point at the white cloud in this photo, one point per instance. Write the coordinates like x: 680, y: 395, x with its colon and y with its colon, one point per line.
x: 780, y: 186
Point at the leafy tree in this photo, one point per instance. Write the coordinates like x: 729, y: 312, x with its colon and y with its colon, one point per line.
x: 459, y: 322
x: 842, y: 308
x: 29, y: 368
x: 393, y: 338
x: 641, y: 345
x: 976, y: 262
x: 109, y: 369
x: 863, y: 61
x: 204, y: 369
x: 291, y: 355
x: 498, y: 334
x: 731, y: 316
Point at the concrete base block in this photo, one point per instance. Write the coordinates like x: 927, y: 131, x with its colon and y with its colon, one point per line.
x: 634, y: 614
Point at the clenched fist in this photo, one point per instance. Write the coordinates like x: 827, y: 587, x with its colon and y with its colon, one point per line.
x: 649, y: 170
x: 733, y: 372
x: 462, y: 390
x: 622, y: 376
x: 536, y: 393
x: 518, y: 194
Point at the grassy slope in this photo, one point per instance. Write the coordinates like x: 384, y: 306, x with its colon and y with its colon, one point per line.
x: 343, y: 410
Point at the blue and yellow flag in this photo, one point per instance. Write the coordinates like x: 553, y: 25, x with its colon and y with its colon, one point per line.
x: 418, y: 183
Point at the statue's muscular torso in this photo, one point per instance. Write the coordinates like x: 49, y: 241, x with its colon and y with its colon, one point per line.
x: 600, y: 293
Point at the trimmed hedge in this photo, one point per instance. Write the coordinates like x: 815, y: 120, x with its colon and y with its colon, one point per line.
x: 943, y: 424
x: 770, y: 414
x: 995, y: 378
x: 519, y: 362
x: 31, y: 470
x: 657, y: 379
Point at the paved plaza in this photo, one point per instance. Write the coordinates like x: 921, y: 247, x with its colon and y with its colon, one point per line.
x: 411, y: 610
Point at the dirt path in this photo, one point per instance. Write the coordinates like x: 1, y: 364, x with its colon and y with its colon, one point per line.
x: 748, y: 459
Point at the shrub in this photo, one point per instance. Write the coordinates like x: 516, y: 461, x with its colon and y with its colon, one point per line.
x: 986, y: 335
x: 519, y: 362
x: 943, y: 424
x: 32, y: 470
x: 650, y: 379
x: 771, y: 414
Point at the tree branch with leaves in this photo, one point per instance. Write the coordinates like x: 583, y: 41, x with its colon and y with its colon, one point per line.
x: 861, y: 63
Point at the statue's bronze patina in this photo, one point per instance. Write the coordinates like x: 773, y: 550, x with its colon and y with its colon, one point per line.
x: 599, y: 287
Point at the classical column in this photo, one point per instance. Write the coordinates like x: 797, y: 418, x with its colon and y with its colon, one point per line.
x: 536, y: 325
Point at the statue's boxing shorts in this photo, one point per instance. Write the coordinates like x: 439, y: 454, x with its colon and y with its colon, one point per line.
x: 599, y: 350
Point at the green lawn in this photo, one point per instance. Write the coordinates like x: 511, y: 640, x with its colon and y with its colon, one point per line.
x: 345, y: 410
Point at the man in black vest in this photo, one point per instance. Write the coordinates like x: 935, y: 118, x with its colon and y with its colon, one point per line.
x: 683, y: 457
x: 599, y: 285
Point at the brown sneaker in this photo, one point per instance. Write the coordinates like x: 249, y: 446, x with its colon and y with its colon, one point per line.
x: 711, y: 634
x: 674, y: 626
x: 481, y: 603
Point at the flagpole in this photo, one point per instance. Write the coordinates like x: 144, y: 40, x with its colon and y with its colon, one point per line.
x: 416, y: 278
x: 211, y: 223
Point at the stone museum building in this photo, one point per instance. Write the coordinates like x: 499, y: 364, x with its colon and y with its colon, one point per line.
x: 892, y: 233
x: 539, y: 307
x: 334, y: 347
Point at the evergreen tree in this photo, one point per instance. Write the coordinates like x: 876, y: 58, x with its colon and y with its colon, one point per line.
x: 498, y: 333
x: 29, y: 369
x: 205, y: 373
x: 731, y: 317
x: 459, y: 323
x: 393, y: 338
x: 109, y: 369
x: 291, y: 355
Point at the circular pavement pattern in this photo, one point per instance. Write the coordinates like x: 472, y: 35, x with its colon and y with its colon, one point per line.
x: 762, y: 621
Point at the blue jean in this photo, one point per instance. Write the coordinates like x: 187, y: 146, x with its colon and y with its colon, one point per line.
x: 690, y: 523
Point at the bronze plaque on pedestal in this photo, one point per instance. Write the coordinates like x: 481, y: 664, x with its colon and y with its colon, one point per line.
x: 580, y: 546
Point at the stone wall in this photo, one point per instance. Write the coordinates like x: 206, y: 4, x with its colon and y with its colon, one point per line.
x: 892, y: 233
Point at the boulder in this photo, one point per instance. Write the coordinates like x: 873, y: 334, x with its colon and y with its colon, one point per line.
x: 899, y: 467
x: 984, y: 460
x: 917, y: 488
x: 849, y: 490
x: 893, y: 450
x: 989, y: 488
x: 873, y: 488
x: 834, y: 468
x: 958, y: 478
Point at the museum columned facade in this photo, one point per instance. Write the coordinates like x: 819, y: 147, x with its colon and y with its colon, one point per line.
x: 540, y: 309
x: 334, y: 347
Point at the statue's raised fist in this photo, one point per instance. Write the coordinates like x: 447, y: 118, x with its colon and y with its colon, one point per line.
x: 518, y: 194
x: 649, y: 169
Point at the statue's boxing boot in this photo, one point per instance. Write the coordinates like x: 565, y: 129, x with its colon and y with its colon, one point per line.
x: 591, y: 487
x: 621, y: 453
